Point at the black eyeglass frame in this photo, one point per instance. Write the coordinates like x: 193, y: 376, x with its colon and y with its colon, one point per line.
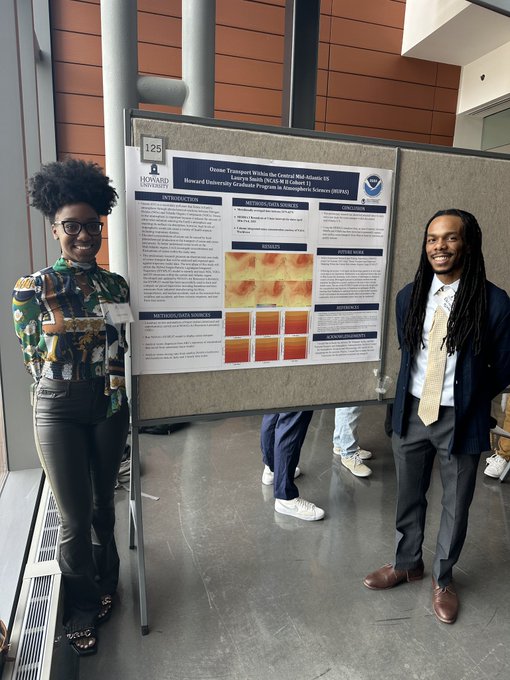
x: 83, y: 225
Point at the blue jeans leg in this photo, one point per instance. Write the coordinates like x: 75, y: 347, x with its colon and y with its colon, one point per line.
x: 345, y: 436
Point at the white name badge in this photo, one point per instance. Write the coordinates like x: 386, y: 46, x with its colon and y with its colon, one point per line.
x: 120, y: 312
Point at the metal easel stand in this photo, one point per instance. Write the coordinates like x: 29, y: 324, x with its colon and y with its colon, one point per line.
x: 136, y: 526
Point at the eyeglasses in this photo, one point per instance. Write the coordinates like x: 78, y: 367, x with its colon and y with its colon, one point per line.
x: 73, y: 227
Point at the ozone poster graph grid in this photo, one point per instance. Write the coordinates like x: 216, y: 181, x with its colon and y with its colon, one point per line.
x: 239, y: 262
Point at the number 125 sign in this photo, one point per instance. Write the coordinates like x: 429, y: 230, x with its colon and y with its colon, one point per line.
x: 152, y: 149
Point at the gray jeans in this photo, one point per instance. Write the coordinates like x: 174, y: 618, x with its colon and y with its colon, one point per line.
x: 80, y: 450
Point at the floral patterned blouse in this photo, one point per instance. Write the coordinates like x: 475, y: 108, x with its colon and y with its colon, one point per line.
x: 63, y: 322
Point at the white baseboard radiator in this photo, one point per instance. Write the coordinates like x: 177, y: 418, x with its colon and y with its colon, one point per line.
x: 35, y: 639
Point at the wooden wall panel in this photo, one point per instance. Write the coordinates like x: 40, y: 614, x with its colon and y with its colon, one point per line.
x: 263, y: 46
x: 77, y: 17
x: 414, y: 137
x: 102, y: 256
x: 77, y: 48
x: 382, y: 65
x: 448, y: 75
x: 72, y: 139
x: 380, y: 90
x: 161, y: 108
x: 367, y: 36
x: 79, y: 109
x: 77, y: 79
x: 440, y: 139
x: 255, y: 73
x: 100, y: 160
x: 159, y: 60
x: 398, y: 118
x: 322, y: 83
x: 255, y: 99
x: 164, y: 7
x: 443, y: 124
x: 159, y: 29
x: 381, y: 13
x: 371, y: 88
x: 248, y: 117
x: 445, y: 100
x: 253, y: 16
x: 364, y: 86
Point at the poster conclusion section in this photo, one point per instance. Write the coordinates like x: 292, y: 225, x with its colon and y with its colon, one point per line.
x: 240, y: 262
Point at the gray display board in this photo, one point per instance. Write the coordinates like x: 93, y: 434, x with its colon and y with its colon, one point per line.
x: 425, y: 180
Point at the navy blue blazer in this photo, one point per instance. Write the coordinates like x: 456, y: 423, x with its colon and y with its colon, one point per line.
x: 478, y: 379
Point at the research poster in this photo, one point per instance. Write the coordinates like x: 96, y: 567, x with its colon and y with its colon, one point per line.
x: 238, y: 262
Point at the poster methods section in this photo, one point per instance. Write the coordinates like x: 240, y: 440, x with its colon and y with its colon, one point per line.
x: 240, y: 262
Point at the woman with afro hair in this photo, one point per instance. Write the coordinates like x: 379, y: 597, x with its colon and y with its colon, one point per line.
x: 68, y: 319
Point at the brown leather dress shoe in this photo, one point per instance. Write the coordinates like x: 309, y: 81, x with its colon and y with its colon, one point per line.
x: 445, y: 602
x: 388, y: 577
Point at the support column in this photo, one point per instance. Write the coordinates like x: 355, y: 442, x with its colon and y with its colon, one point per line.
x: 120, y: 73
x: 198, y: 56
x: 300, y: 63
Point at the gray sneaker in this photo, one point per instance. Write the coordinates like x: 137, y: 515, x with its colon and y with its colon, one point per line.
x: 356, y: 465
x: 362, y: 453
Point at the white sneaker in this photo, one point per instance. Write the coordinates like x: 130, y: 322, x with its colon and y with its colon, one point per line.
x: 362, y: 453
x: 268, y: 475
x: 299, y: 508
x: 495, y: 465
x: 356, y: 465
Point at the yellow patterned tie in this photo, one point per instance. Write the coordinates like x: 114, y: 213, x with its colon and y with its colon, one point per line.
x: 428, y: 409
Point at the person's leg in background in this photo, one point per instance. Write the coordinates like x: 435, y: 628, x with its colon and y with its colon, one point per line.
x: 345, y: 441
x: 267, y: 436
x: 267, y: 444
x: 290, y: 433
x: 499, y: 459
x: 282, y: 436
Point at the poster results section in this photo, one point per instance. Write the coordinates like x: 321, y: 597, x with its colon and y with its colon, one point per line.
x: 240, y: 262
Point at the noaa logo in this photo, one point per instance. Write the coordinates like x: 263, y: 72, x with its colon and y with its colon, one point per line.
x: 373, y: 186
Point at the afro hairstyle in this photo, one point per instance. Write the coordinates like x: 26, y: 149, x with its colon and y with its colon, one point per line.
x: 71, y: 181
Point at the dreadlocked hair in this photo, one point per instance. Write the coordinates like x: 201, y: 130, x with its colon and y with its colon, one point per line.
x: 467, y: 316
x: 71, y: 181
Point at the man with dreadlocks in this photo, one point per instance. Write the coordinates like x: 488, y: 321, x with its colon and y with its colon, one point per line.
x: 452, y: 302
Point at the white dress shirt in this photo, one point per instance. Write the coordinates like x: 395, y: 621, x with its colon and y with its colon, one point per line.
x: 439, y: 294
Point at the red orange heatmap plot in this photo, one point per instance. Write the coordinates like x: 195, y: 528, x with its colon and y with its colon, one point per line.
x: 266, y: 349
x: 294, y: 348
x: 237, y: 323
x: 267, y: 323
x: 296, y: 323
x: 237, y: 351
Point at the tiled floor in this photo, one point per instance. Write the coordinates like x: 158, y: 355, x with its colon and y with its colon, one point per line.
x: 238, y: 592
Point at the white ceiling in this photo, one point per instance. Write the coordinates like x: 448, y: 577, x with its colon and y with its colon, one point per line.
x: 467, y: 36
